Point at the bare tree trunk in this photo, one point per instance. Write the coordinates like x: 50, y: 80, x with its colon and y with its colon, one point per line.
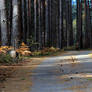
x: 39, y: 29
x: 87, y: 38
x: 14, y: 34
x: 46, y: 22
x: 70, y: 24
x: 0, y: 27
x: 91, y: 24
x: 35, y: 19
x: 60, y: 24
x: 43, y: 23
x: 28, y: 19
x: 20, y: 35
x: 79, y: 24
x: 50, y: 23
x: 10, y: 20
x: 24, y: 18
x: 4, y: 32
x: 67, y: 23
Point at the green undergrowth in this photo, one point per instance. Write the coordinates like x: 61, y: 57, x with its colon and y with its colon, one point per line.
x: 6, y: 59
x: 90, y: 79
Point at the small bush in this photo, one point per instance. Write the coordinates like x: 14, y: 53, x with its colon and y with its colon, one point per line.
x: 24, y: 50
x: 52, y: 49
x: 36, y: 53
x: 5, y: 58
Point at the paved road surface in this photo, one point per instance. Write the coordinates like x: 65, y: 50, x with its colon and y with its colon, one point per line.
x: 71, y: 72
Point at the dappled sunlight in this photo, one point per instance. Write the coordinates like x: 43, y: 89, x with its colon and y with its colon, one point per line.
x: 69, y: 57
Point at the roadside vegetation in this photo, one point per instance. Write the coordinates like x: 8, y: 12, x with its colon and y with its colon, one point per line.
x: 24, y: 51
x: 8, y: 64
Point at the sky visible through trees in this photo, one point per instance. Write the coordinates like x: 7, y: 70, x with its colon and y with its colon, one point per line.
x: 74, y: 2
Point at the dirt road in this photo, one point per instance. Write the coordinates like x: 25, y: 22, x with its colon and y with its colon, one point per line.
x: 71, y: 72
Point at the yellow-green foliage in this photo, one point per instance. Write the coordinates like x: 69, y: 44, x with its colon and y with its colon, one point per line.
x: 36, y: 53
x: 45, y: 51
x: 52, y: 49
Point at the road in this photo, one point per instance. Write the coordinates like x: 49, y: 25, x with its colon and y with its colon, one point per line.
x: 71, y: 72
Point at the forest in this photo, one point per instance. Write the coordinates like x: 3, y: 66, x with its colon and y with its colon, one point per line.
x: 45, y: 45
x: 46, y: 23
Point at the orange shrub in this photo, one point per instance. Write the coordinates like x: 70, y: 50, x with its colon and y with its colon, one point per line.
x: 5, y: 49
x: 24, y: 50
x: 51, y: 49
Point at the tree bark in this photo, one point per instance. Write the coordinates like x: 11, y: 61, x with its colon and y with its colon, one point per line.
x: 60, y: 24
x: 79, y: 24
x: 0, y: 27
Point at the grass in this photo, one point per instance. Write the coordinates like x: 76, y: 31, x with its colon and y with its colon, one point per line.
x: 90, y: 79
x: 6, y: 59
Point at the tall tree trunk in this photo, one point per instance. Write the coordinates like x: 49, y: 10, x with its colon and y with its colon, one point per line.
x: 43, y: 22
x: 0, y: 27
x: 91, y: 23
x: 14, y: 34
x: 10, y: 20
x: 24, y: 18
x: 7, y: 18
x: 79, y: 24
x: 35, y: 19
x: 39, y: 26
x: 20, y: 20
x: 28, y: 19
x: 46, y: 22
x: 60, y: 24
x: 50, y: 19
x: 70, y: 24
x: 4, y: 32
x: 87, y: 37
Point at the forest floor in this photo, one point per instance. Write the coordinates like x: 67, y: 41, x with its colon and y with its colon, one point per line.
x: 17, y: 78
x: 68, y: 72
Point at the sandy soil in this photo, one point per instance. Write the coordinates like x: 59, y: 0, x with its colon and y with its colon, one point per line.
x: 20, y: 81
